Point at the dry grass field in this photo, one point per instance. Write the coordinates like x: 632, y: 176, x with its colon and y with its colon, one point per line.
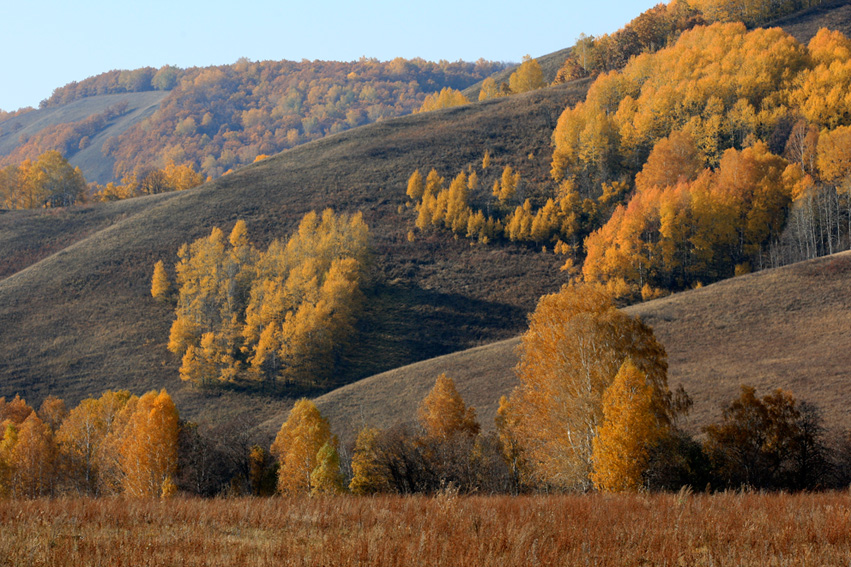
x: 665, y: 530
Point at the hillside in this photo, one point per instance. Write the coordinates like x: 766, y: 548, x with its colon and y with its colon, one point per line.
x: 80, y: 319
x: 95, y: 165
x: 834, y: 15
x: 785, y: 328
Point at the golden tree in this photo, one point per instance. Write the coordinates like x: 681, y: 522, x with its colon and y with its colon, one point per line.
x: 160, y: 284
x: 576, y: 343
x: 527, y: 77
x: 32, y: 459
x: 297, y: 445
x: 368, y: 475
x: 149, y: 448
x: 443, y: 412
x: 630, y: 427
x: 446, y: 98
x: 415, y: 186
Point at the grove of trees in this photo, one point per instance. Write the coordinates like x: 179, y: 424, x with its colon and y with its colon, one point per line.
x: 115, y: 444
x: 285, y: 314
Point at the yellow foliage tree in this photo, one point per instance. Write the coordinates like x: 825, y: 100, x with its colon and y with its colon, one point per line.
x: 368, y: 477
x: 415, y: 186
x: 630, y: 428
x: 160, y: 284
x: 446, y: 98
x: 443, y: 413
x: 32, y: 459
x: 327, y: 478
x: 297, y: 446
x: 576, y: 343
x: 149, y: 446
x: 527, y: 77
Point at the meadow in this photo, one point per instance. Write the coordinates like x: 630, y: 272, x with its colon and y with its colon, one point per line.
x: 658, y: 529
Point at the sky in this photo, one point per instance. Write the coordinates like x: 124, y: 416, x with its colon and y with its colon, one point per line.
x: 47, y: 44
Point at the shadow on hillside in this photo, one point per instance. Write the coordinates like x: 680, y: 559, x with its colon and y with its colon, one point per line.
x: 405, y: 323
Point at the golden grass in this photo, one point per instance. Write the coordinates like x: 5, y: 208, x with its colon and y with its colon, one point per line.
x: 670, y: 529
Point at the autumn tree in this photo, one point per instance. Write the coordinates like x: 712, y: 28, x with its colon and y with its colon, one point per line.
x: 629, y: 430
x: 770, y: 442
x: 31, y: 459
x: 446, y: 98
x: 149, y: 446
x: 327, y: 478
x: 576, y: 343
x: 415, y: 186
x: 368, y: 474
x: 443, y: 412
x: 527, y: 77
x: 297, y: 446
x: 160, y: 284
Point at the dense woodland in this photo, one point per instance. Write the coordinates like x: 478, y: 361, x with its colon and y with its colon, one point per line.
x: 723, y: 153
x: 285, y: 314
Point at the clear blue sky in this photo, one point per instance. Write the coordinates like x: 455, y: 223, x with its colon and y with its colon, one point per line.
x: 47, y: 44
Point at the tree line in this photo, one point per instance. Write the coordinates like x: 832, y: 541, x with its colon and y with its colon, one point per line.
x: 50, y: 181
x: 593, y: 411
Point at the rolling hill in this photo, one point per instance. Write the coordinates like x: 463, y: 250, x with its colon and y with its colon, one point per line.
x: 75, y: 300
x: 77, y: 317
x: 784, y: 328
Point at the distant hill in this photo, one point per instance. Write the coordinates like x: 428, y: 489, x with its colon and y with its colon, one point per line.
x: 95, y: 165
x: 785, y: 328
x: 219, y: 118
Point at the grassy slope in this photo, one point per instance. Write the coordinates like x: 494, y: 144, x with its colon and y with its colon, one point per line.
x: 80, y: 319
x: 786, y: 328
x: 95, y: 167
x: 835, y: 15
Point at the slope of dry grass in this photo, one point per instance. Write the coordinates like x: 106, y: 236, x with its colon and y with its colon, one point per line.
x: 833, y: 14
x: 786, y: 328
x: 79, y: 319
x: 665, y: 529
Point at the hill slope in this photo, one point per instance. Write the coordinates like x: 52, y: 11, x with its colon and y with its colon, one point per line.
x: 80, y: 320
x: 95, y: 166
x: 803, y: 25
x: 785, y: 328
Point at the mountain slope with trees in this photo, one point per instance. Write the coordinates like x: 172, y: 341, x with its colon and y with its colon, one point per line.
x: 783, y: 328
x: 76, y: 287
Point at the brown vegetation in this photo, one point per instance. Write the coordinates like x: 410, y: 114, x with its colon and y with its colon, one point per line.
x: 670, y: 529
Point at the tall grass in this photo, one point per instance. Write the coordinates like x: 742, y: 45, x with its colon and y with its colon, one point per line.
x: 664, y: 529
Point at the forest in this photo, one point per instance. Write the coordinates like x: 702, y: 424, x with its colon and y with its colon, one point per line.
x: 721, y: 154
x: 219, y: 118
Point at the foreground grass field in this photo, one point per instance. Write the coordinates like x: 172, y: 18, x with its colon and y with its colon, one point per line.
x: 664, y: 529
